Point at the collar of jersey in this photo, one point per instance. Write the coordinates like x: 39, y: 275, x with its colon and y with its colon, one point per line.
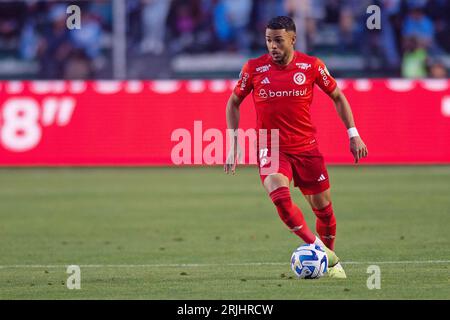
x: 288, y: 66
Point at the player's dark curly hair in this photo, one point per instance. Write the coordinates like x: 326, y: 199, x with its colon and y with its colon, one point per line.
x: 281, y: 22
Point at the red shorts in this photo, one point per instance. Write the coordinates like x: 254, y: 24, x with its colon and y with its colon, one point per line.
x: 306, y: 168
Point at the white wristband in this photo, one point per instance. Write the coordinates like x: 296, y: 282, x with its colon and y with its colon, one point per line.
x: 352, y: 132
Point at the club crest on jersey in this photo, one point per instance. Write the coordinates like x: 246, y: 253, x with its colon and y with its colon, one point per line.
x: 303, y: 66
x: 299, y: 78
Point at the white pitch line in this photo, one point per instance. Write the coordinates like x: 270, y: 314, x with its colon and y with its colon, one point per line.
x: 197, y: 265
x: 399, y: 262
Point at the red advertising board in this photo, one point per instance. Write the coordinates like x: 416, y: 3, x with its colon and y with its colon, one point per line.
x: 149, y: 122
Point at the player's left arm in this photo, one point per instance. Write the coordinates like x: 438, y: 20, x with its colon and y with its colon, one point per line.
x: 328, y: 84
x: 357, y: 146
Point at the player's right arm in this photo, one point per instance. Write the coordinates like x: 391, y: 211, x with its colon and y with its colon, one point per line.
x: 233, y: 115
x: 242, y: 89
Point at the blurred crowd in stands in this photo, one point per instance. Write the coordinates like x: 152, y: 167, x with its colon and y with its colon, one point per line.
x: 36, y: 31
x: 413, y: 41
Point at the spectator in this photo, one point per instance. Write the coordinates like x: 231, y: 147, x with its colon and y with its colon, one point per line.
x: 134, y: 24
x: 89, y: 37
x: 12, y: 19
x: 222, y: 26
x: 437, y: 70
x: 182, y: 25
x: 262, y: 12
x: 231, y: 22
x: 238, y: 14
x: 388, y: 43
x: 55, y: 47
x: 391, y: 31
x: 419, y: 26
x: 304, y: 14
x: 414, y: 59
x: 205, y: 29
x: 332, y: 11
x: 29, y: 41
x: 154, y: 14
x: 439, y: 12
x: 347, y: 30
x: 78, y: 66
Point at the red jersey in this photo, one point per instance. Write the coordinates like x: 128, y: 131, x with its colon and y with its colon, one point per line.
x: 282, y: 96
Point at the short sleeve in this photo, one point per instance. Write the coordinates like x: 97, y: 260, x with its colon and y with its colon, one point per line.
x: 244, y: 85
x: 323, y: 78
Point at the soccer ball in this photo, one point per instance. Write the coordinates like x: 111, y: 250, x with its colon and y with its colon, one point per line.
x: 309, y: 261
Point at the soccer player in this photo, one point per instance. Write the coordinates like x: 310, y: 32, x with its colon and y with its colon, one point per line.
x: 282, y: 83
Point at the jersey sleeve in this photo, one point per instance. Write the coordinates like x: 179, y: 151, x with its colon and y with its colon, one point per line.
x: 323, y: 78
x: 244, y: 85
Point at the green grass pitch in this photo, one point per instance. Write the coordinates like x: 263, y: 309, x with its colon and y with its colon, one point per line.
x: 196, y: 233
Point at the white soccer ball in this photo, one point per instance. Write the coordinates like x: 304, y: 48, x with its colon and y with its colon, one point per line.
x: 309, y: 261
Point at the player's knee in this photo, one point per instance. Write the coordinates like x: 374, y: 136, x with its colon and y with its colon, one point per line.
x: 321, y: 206
x: 275, y: 181
x: 320, y: 201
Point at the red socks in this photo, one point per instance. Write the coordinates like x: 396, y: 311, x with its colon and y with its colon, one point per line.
x: 293, y: 218
x: 326, y: 225
x: 291, y: 214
